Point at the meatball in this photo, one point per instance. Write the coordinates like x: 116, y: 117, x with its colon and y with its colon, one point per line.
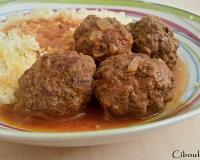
x: 101, y: 38
x: 133, y: 86
x: 56, y: 85
x: 154, y: 38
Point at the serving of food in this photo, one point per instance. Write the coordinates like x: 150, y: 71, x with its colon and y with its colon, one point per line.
x: 71, y: 71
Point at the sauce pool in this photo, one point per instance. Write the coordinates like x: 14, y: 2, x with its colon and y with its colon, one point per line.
x: 92, y: 118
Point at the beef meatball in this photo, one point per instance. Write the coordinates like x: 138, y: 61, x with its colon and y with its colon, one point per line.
x: 154, y: 38
x: 133, y: 86
x: 102, y: 37
x: 56, y: 85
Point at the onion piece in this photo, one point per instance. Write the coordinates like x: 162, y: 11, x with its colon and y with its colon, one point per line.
x: 98, y: 54
x: 104, y: 25
x: 113, y: 48
x: 133, y: 66
x: 97, y: 35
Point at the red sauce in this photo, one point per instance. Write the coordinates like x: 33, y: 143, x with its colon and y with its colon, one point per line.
x: 92, y: 118
x: 53, y: 35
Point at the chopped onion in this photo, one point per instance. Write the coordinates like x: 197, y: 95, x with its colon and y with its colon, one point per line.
x: 104, y: 25
x: 133, y: 66
x: 113, y: 48
x: 98, y: 54
x: 95, y: 35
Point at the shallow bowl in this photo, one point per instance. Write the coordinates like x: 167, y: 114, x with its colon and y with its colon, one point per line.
x: 187, y: 29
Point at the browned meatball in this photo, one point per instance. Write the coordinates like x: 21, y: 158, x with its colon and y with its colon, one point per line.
x: 101, y: 38
x: 133, y: 86
x: 56, y: 85
x: 154, y: 38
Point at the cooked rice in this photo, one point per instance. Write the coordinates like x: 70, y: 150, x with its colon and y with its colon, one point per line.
x: 17, y: 53
x: 69, y: 15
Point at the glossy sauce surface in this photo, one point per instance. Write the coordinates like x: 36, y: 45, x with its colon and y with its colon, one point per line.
x: 92, y: 118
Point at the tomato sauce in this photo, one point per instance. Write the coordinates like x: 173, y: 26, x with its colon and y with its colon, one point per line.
x: 53, y: 35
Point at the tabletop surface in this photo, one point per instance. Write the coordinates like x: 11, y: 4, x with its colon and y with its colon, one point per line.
x: 154, y: 145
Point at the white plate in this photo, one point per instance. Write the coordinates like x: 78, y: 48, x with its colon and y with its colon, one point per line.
x: 187, y: 29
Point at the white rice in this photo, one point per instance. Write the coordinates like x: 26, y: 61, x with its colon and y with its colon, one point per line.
x: 17, y: 53
x: 70, y: 14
